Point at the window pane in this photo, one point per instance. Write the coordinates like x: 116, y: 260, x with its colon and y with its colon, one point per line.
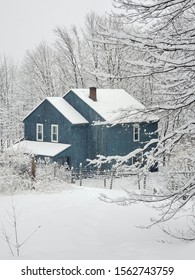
x: 54, y: 129
x: 40, y: 132
x: 54, y: 137
x: 136, y: 133
x: 54, y: 133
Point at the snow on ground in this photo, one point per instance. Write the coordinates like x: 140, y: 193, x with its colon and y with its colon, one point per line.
x: 76, y: 224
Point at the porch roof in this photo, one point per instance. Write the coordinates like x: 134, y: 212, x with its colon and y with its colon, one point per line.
x: 49, y: 149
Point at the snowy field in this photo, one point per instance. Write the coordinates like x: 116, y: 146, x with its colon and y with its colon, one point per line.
x: 76, y: 224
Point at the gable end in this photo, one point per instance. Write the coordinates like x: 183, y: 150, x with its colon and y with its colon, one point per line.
x: 82, y: 107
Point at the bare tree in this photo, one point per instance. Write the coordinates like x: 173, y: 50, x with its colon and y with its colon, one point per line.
x: 159, y: 32
x: 39, y: 73
x: 163, y: 31
x: 9, y: 116
x: 12, y: 239
x: 70, y: 58
x: 107, y: 61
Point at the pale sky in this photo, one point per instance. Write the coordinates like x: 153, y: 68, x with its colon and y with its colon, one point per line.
x: 25, y: 23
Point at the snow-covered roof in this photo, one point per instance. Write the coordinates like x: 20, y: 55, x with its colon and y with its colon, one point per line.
x: 112, y: 102
x: 40, y: 148
x: 65, y: 109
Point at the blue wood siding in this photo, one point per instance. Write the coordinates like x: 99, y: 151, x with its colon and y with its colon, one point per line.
x: 86, y: 140
x: 76, y: 135
x: 47, y: 115
x: 79, y: 142
x: 118, y: 139
x: 85, y: 110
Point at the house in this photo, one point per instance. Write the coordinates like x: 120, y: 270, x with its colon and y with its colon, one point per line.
x: 85, y: 123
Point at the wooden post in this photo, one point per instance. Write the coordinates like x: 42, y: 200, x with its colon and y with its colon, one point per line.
x: 80, y: 174
x: 55, y: 169
x: 112, y: 178
x: 138, y: 181
x: 98, y: 171
x: 33, y: 171
x: 71, y: 175
x: 104, y: 178
x: 144, y: 181
x: 1, y: 146
x: 33, y: 168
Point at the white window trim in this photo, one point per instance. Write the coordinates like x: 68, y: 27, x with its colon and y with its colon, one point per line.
x: 37, y: 132
x: 135, y: 126
x: 52, y: 126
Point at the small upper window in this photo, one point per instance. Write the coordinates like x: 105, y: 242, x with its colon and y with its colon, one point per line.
x: 39, y: 134
x: 136, y: 132
x: 54, y: 133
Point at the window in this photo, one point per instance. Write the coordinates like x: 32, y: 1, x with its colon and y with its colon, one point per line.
x: 39, y: 135
x: 54, y: 133
x: 136, y: 132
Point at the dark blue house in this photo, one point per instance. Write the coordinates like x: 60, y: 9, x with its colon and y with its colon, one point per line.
x: 85, y: 123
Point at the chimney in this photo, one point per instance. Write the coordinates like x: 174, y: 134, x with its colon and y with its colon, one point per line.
x: 92, y: 93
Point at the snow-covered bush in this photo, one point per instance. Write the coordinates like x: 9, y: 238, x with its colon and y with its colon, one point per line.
x: 181, y: 167
x: 51, y: 177
x: 14, y: 171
